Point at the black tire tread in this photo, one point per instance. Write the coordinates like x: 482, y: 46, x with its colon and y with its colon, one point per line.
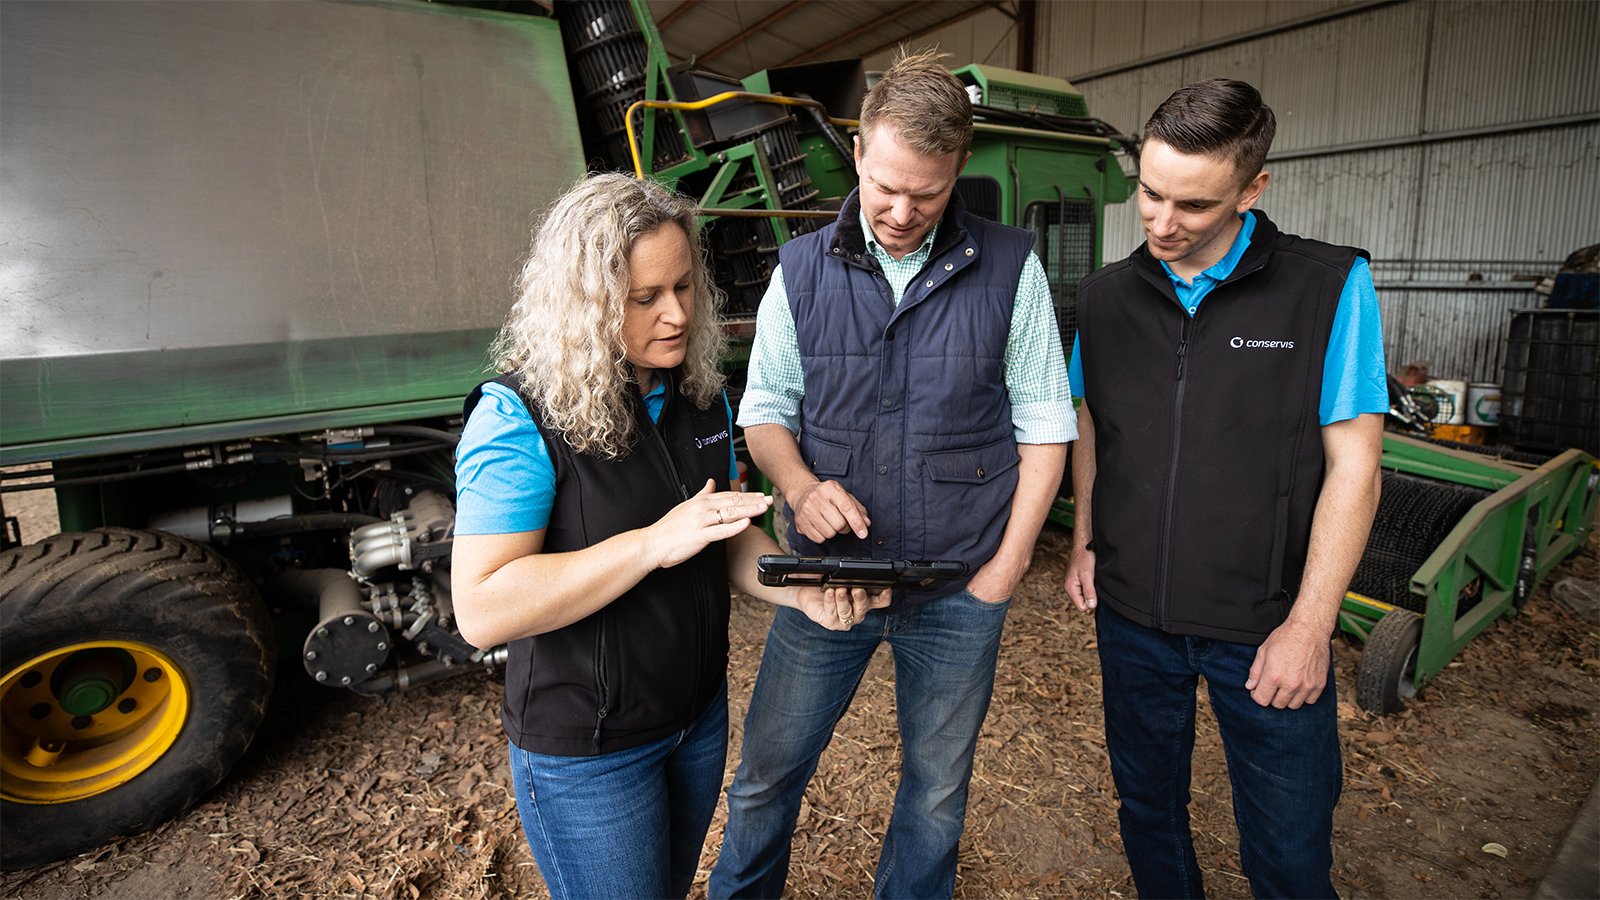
x: 83, y: 576
x: 1391, y: 639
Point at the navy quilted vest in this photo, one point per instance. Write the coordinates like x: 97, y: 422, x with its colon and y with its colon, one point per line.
x: 906, y: 406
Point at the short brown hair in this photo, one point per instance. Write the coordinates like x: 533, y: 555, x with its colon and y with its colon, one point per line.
x: 925, y: 104
x: 1217, y: 117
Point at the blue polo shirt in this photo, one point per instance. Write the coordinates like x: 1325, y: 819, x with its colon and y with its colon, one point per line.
x: 1354, y: 374
x: 505, y: 481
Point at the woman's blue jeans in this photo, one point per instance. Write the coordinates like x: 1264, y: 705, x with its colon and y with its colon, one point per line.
x: 944, y: 662
x: 624, y: 824
x: 1284, y: 764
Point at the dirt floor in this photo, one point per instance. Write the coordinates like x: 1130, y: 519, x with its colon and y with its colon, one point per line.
x: 407, y: 796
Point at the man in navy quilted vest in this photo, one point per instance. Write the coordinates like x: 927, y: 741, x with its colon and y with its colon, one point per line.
x: 908, y: 395
x: 1225, y: 487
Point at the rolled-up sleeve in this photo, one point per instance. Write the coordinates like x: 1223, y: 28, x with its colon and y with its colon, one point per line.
x: 775, y: 381
x: 1036, y: 367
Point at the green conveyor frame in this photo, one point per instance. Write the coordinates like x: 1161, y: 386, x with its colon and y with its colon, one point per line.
x: 1496, y: 555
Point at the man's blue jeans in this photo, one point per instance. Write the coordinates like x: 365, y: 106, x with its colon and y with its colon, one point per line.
x: 624, y: 824
x: 1284, y: 764
x: 944, y: 661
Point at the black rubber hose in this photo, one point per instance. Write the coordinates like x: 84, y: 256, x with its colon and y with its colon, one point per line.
x: 418, y: 431
x: 96, y: 479
x: 299, y: 524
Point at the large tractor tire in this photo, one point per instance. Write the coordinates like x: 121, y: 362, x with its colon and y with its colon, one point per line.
x: 135, y: 667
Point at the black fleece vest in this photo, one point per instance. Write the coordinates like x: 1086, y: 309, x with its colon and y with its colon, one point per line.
x: 648, y: 663
x: 906, y: 406
x: 1208, y: 445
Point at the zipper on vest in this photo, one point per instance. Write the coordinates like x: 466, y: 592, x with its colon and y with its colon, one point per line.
x: 701, y: 590
x: 1172, y: 479
x: 600, y: 680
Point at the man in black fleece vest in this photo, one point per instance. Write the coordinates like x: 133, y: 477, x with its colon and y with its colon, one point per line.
x: 1225, y: 485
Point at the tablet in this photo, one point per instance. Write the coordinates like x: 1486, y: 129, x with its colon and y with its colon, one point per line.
x: 847, y: 571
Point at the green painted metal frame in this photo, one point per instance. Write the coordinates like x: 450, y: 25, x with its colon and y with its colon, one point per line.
x: 1500, y: 550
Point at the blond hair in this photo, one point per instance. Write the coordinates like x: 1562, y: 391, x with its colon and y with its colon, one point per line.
x: 564, y: 334
x: 925, y: 105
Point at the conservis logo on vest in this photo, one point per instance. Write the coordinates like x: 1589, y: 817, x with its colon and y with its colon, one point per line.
x: 1253, y: 344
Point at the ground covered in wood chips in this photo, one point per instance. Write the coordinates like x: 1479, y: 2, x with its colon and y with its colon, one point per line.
x: 407, y: 796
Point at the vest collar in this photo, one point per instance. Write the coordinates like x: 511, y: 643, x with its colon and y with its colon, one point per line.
x: 1263, y: 241
x: 849, y: 242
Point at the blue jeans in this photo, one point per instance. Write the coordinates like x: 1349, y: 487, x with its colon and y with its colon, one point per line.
x: 1284, y: 764
x: 624, y: 824
x: 944, y: 660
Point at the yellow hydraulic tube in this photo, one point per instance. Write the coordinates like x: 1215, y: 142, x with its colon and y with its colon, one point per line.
x: 725, y: 96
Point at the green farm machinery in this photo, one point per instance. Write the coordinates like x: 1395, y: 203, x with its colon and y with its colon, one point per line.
x: 1461, y: 539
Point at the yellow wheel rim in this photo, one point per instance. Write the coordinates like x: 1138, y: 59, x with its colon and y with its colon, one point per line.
x: 81, y: 720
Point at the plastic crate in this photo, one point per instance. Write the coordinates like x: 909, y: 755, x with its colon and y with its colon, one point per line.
x: 1550, y: 392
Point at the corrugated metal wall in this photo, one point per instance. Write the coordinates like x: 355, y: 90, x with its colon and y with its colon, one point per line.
x: 1459, y: 142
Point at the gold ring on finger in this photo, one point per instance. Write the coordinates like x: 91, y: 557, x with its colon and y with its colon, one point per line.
x: 720, y: 520
x: 847, y: 619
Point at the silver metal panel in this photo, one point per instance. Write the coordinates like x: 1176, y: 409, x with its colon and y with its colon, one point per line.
x: 1528, y: 196
x: 1168, y: 25
x: 1115, y: 28
x: 1246, y: 62
x: 1123, y: 231
x: 1300, y: 80
x: 1499, y: 62
x: 1117, y: 99
x: 1457, y: 334
x: 1379, y: 77
x: 1066, y: 39
x: 1365, y: 200
x: 1156, y: 83
x: 191, y: 174
x: 1279, y: 11
x: 1222, y: 18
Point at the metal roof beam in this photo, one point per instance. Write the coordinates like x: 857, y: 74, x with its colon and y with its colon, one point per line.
x: 677, y: 11
x: 757, y: 28
x: 964, y: 14
x: 891, y: 16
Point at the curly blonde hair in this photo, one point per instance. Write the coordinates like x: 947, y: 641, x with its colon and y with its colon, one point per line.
x: 563, y: 336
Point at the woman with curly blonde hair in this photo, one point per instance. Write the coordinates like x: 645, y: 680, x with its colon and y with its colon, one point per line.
x: 597, y: 536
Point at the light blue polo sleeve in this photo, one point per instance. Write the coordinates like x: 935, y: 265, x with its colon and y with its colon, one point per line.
x: 733, y: 458
x: 505, y: 481
x: 1354, y: 374
x: 1075, y: 369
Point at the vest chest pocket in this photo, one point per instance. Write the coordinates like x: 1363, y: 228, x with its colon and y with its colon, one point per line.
x: 972, y: 465
x: 825, y: 457
x: 964, y: 496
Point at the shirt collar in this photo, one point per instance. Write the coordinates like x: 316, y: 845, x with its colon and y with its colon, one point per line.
x: 1222, y: 268
x: 882, y: 254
